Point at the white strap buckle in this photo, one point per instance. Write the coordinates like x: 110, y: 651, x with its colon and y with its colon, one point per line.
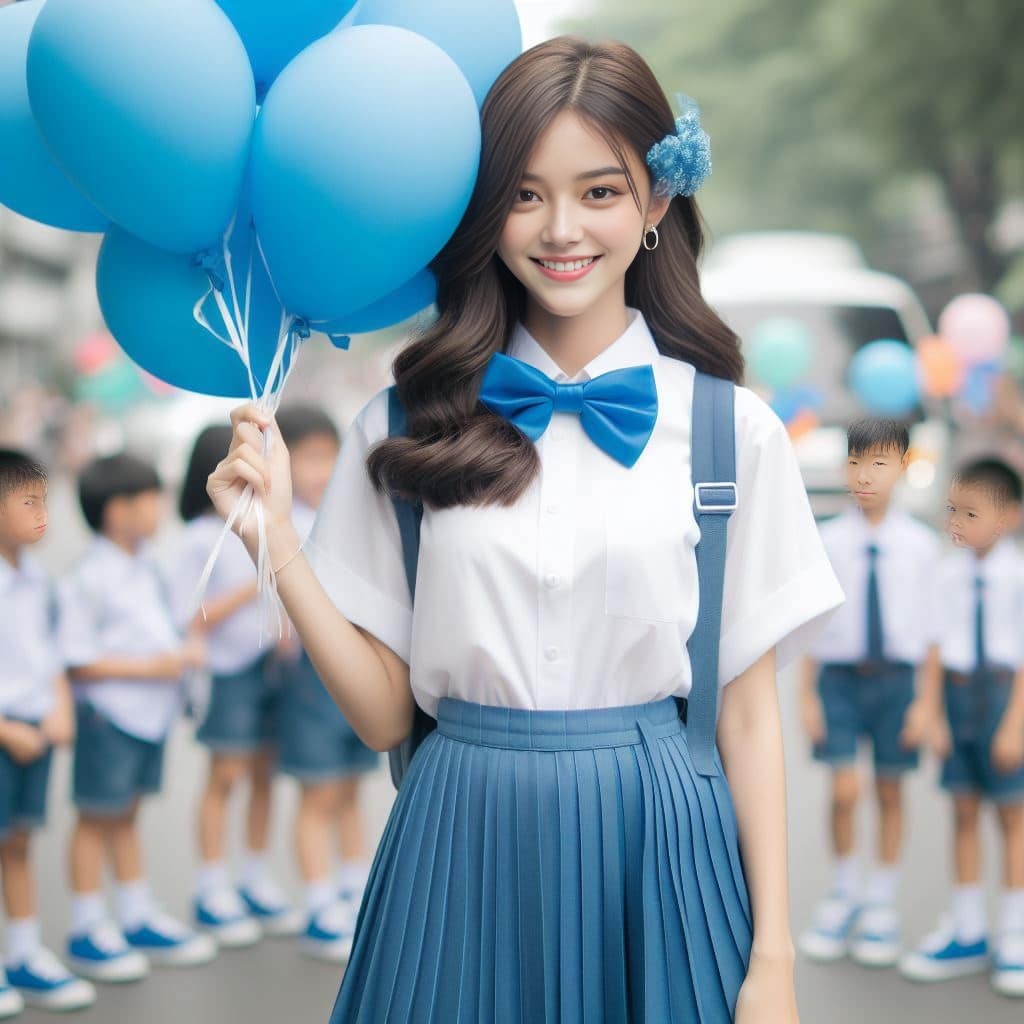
x: 714, y: 503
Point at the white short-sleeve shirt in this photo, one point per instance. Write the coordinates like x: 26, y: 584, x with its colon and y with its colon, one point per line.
x: 584, y: 592
x: 31, y: 660
x: 907, y: 555
x: 234, y: 643
x: 114, y: 604
x: 952, y: 607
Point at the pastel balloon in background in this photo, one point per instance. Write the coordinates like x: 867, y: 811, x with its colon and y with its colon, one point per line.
x: 30, y: 182
x: 977, y: 326
x: 411, y: 298
x: 147, y: 296
x: 780, y: 351
x: 941, y: 368
x: 884, y: 378
x: 481, y: 36
x: 148, y: 108
x: 273, y: 32
x: 979, y: 386
x: 789, y: 403
x: 364, y: 157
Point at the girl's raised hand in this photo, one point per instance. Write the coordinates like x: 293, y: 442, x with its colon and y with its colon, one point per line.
x: 244, y: 464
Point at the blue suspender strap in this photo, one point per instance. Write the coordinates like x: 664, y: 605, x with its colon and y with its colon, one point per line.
x: 409, y: 515
x: 713, y: 444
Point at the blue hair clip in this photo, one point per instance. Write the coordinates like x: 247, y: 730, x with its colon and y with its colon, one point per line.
x: 682, y: 161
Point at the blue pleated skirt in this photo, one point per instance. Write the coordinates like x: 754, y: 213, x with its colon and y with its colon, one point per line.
x: 553, y: 866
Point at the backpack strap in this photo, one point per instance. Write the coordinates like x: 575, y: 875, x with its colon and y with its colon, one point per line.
x: 409, y: 515
x: 713, y: 447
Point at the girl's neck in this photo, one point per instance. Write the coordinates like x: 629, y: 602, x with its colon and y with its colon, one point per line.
x: 573, y: 341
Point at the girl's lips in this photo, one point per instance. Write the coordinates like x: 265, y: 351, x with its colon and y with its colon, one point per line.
x: 565, y: 275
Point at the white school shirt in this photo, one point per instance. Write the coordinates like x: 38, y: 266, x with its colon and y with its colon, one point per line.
x: 952, y: 607
x: 234, y: 643
x: 583, y: 593
x: 30, y: 660
x: 113, y: 604
x: 907, y: 554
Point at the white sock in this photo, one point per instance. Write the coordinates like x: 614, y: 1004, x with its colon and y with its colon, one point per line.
x: 1011, y: 917
x: 134, y: 907
x: 844, y: 878
x: 883, y: 884
x: 352, y: 875
x: 255, y: 868
x: 969, y: 912
x: 87, y: 910
x: 319, y: 895
x: 212, y: 876
x: 22, y: 940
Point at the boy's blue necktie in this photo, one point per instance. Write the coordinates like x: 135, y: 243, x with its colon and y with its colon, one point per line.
x: 979, y: 622
x: 617, y: 409
x: 874, y: 607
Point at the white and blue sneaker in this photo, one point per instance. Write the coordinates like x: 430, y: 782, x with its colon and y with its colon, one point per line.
x: 941, y: 956
x: 1008, y: 973
x: 44, y: 981
x: 11, y: 1003
x: 169, y: 943
x: 876, y: 937
x: 270, y: 907
x: 103, y: 955
x: 828, y: 939
x: 223, y: 915
x: 328, y: 934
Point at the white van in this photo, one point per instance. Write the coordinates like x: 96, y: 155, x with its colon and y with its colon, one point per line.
x: 822, y: 281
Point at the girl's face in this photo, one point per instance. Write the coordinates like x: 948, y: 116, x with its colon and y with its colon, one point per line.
x: 574, y: 228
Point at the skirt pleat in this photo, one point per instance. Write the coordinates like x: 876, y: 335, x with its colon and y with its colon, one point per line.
x: 543, y: 867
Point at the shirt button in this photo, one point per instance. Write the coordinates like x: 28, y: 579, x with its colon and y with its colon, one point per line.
x: 552, y: 580
x: 551, y: 653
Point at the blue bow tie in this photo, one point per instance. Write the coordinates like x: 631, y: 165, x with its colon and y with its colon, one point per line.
x: 617, y: 409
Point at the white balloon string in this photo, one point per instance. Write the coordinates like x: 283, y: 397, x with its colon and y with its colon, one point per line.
x: 235, y: 319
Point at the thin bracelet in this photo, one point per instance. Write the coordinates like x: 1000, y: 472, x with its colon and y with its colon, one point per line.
x: 290, y: 558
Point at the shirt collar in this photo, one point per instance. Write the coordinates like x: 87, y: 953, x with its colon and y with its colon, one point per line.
x: 1003, y: 554
x: 634, y: 347
x: 27, y: 568
x: 116, y: 556
x: 880, y: 535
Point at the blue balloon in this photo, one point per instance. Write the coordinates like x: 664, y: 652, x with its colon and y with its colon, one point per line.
x: 883, y: 376
x: 978, y: 389
x: 481, y: 36
x: 148, y: 108
x: 408, y: 300
x: 147, y: 296
x: 274, y: 32
x: 30, y: 182
x: 364, y: 158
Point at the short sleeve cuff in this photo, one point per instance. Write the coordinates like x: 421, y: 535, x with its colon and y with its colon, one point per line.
x: 789, y: 620
x: 366, y: 606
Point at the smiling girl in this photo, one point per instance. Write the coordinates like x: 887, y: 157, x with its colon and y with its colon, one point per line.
x: 555, y: 851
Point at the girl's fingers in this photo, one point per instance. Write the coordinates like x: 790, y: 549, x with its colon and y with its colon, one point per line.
x: 249, y: 413
x: 250, y: 456
x: 242, y: 470
x: 247, y: 433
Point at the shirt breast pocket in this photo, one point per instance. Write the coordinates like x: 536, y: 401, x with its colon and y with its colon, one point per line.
x: 651, y: 568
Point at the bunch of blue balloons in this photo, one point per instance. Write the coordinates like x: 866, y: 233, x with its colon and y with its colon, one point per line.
x: 318, y: 152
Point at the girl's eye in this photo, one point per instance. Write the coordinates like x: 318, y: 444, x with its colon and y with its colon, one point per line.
x: 526, y: 195
x: 604, y: 190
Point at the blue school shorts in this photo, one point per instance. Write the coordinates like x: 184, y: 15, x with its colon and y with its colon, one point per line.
x: 975, y: 705
x: 869, y: 702
x: 111, y: 769
x: 317, y: 743
x: 23, y: 790
x: 241, y: 717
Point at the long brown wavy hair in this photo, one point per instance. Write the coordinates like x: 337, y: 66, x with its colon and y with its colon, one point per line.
x: 458, y: 452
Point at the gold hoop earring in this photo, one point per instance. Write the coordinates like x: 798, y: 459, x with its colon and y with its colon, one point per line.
x: 652, y: 230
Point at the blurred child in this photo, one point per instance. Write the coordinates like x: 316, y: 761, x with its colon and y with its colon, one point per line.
x: 36, y: 714
x: 860, y: 683
x: 239, y: 721
x: 126, y: 661
x: 974, y: 686
x: 318, y: 747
